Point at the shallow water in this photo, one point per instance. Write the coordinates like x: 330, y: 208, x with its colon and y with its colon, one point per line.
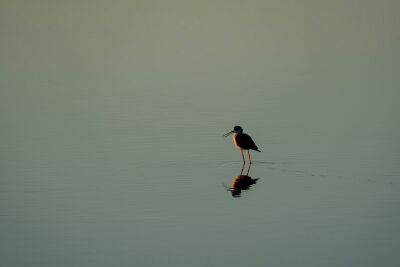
x: 112, y: 150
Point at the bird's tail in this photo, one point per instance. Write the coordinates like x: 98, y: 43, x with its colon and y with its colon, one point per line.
x: 257, y: 149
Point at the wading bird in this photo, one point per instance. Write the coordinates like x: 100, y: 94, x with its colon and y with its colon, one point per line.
x: 242, y: 141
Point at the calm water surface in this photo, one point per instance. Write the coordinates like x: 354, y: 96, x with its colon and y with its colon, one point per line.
x: 112, y: 151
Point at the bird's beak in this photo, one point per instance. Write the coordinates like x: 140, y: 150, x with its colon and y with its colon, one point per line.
x: 226, y: 135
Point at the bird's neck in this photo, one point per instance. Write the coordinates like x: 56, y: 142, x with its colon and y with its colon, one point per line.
x: 235, y: 136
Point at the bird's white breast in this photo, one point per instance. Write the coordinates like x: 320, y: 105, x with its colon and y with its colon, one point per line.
x: 234, y: 141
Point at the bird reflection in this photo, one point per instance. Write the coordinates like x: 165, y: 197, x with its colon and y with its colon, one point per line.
x: 241, y: 182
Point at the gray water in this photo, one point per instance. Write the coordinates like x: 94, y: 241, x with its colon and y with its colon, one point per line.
x: 112, y: 117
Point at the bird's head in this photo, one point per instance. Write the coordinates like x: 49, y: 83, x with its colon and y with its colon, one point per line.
x: 236, y: 129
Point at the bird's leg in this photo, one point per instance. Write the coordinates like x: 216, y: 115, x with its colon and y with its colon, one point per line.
x: 241, y: 173
x: 248, y: 170
x: 248, y: 152
x: 242, y: 156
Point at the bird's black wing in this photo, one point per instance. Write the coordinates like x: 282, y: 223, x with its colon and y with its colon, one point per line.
x: 248, y: 143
